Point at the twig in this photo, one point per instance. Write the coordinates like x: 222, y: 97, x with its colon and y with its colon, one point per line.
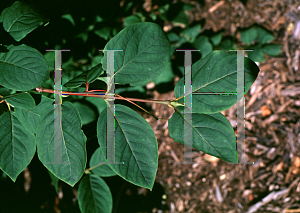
x: 169, y: 103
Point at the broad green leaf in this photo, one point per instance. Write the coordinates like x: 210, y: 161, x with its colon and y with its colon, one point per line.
x: 166, y: 76
x: 257, y: 54
x: 50, y: 58
x: 96, y: 60
x: 212, y: 134
x: 191, y: 33
x: 29, y: 118
x: 94, y: 195
x: 98, y: 102
x: 73, y: 148
x: 176, y: 14
x: 249, y: 35
x: 216, y: 73
x: 103, y: 170
x: 146, y: 52
x: 135, y: 145
x: 181, y: 18
x: 216, y: 39
x: 131, y: 20
x: 272, y: 49
x: 87, y: 115
x: 173, y: 37
x: 104, y: 79
x: 5, y: 92
x: 91, y: 76
x: 188, y: 7
x: 21, y: 101
x: 17, y: 146
x: 226, y: 44
x: 54, y: 181
x: 84, y: 36
x: 69, y: 18
x: 163, y: 9
x: 20, y: 19
x: 264, y: 36
x: 104, y: 32
x: 202, y: 43
x: 23, y: 68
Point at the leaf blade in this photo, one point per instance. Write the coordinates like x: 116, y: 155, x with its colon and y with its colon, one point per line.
x: 17, y: 145
x: 147, y: 57
x: 22, y: 101
x: 216, y: 73
x: 103, y: 170
x: 23, y: 73
x: 94, y: 189
x: 20, y: 19
x: 73, y: 149
x: 209, y: 131
x: 91, y: 76
x: 131, y: 146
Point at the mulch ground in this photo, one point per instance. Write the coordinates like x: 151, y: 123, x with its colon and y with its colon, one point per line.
x: 272, y: 125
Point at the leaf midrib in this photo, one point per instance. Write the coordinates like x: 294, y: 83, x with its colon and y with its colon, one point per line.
x: 198, y: 132
x: 131, y: 148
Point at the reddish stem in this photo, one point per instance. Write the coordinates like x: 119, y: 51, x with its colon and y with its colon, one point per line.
x: 41, y: 89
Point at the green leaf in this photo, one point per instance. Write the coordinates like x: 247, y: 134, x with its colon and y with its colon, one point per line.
x: 103, y: 170
x: 84, y: 36
x: 202, y: 43
x: 216, y: 73
x: 226, y: 44
x: 191, y: 33
x: 173, y: 37
x: 272, y: 49
x: 216, y: 39
x: 23, y: 68
x: 22, y: 101
x: 146, y: 58
x: 87, y: 115
x: 20, y: 19
x: 131, y: 20
x: 104, y: 79
x: 99, y: 103
x: 166, y: 76
x: 73, y: 148
x: 135, y: 145
x: 249, y: 35
x: 54, y: 181
x: 104, y: 32
x: 176, y: 14
x: 4, y: 92
x: 50, y: 58
x: 212, y: 134
x: 94, y: 195
x: 181, y: 18
x: 69, y: 18
x: 17, y: 146
x: 188, y: 7
x: 29, y: 118
x: 96, y: 60
x: 257, y: 54
x: 264, y: 36
x: 92, y: 75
